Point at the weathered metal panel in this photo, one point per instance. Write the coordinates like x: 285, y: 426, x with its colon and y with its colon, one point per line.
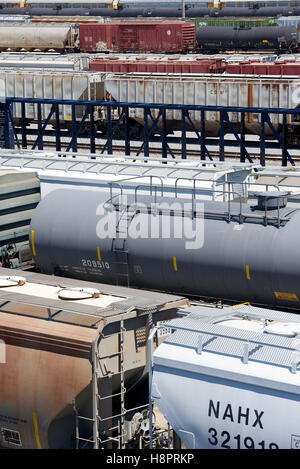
x: 47, y: 367
x: 157, y: 66
x: 209, y: 90
x: 95, y: 37
x: 153, y: 37
x: 75, y: 62
x: 39, y: 355
x: 51, y: 85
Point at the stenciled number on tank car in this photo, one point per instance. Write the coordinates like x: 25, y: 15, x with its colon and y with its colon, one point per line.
x: 95, y: 264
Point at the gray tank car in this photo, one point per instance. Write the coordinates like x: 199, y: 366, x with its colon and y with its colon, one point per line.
x: 237, y: 252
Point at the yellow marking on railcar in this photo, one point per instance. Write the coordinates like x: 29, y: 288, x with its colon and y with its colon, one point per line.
x: 175, y: 263
x: 247, y: 272
x: 286, y: 296
x: 32, y: 243
x: 36, y: 431
x: 98, y: 253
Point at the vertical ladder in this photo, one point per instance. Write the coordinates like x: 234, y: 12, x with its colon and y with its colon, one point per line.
x: 119, y: 246
x: 105, y: 427
x: 116, y: 432
x: 105, y: 430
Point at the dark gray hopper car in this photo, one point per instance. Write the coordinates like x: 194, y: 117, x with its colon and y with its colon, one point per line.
x: 249, y: 252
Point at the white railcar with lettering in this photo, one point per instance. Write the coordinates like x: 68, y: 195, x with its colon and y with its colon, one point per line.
x: 231, y: 378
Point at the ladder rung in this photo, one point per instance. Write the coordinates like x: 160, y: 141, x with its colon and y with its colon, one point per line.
x: 109, y: 439
x: 85, y: 418
x: 84, y: 439
x: 112, y: 416
x: 111, y: 395
x: 109, y: 356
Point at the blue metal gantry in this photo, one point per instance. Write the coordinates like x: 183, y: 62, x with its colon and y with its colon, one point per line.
x: 154, y: 128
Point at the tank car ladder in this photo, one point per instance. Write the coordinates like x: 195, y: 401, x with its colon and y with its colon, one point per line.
x: 126, y: 214
x: 119, y: 244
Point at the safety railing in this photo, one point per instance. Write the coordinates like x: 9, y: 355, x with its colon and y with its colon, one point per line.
x: 234, y: 199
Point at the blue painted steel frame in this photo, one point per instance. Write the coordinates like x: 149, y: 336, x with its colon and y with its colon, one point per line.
x: 112, y: 125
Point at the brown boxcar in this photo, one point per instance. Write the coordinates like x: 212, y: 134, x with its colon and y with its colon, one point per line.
x: 176, y: 36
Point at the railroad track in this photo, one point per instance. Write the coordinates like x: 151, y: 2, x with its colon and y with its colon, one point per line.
x: 156, y: 151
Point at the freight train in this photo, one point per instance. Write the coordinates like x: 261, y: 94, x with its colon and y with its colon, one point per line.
x: 152, y: 11
x: 232, y: 251
x: 157, y: 37
x: 179, y: 89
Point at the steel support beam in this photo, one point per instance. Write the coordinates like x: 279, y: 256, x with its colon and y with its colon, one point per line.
x: 120, y: 119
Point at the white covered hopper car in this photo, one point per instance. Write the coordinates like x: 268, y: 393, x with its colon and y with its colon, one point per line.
x: 28, y: 36
x: 230, y: 378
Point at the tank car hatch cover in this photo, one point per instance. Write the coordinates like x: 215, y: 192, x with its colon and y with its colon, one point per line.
x: 8, y: 281
x: 78, y: 293
x: 283, y: 329
x: 272, y: 199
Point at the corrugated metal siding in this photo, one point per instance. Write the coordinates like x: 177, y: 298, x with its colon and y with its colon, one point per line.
x: 19, y: 195
x: 275, y: 68
x: 210, y: 90
x: 52, y: 85
x: 129, y: 66
x: 288, y: 21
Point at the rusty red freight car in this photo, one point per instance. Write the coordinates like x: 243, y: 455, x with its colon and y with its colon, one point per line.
x: 176, y: 36
x: 276, y: 68
x: 151, y: 66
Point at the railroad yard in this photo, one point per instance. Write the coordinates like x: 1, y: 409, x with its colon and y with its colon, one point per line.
x: 149, y: 220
